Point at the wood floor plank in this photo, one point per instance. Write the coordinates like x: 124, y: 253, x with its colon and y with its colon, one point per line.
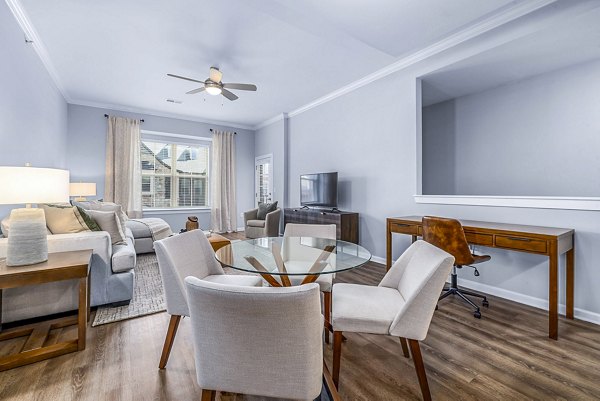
x: 504, y: 356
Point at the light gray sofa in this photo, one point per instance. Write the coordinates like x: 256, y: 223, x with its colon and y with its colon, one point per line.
x: 111, y: 270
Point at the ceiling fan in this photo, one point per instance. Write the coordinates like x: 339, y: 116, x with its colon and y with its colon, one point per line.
x: 214, y: 86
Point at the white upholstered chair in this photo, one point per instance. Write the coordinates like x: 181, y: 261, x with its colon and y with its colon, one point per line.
x: 257, y: 341
x: 325, y: 281
x: 402, y: 305
x: 188, y: 254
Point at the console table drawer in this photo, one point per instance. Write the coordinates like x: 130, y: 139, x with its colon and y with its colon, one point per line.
x: 410, y: 229
x: 521, y: 243
x: 479, y: 239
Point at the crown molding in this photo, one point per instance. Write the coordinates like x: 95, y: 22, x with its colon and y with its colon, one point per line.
x: 272, y: 120
x: 505, y: 16
x: 148, y: 112
x: 31, y: 34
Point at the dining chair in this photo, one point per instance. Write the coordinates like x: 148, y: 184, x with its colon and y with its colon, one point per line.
x: 325, y: 281
x: 402, y: 305
x: 182, y: 255
x: 257, y: 341
x: 448, y: 234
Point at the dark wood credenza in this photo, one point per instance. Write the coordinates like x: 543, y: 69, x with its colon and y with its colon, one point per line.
x: 346, y: 222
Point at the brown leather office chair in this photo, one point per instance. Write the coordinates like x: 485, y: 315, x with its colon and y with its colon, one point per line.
x: 448, y: 234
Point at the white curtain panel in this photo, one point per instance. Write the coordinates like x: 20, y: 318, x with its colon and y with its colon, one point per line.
x: 123, y: 182
x: 222, y: 177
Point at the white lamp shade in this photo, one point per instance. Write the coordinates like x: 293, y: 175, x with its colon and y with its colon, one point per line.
x: 82, y: 189
x: 20, y: 185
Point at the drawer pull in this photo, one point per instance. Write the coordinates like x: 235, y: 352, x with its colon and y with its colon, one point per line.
x: 519, y: 239
x: 402, y: 225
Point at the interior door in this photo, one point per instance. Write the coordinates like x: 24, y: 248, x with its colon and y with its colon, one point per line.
x: 263, y: 172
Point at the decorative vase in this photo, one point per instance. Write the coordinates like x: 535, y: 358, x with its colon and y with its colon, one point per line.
x: 191, y: 223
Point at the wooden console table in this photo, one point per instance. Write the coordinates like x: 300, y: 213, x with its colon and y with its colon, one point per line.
x: 548, y: 241
x: 346, y: 222
x: 60, y: 266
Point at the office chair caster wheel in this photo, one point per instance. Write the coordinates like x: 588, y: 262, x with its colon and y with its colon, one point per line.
x: 485, y: 303
x: 477, y: 314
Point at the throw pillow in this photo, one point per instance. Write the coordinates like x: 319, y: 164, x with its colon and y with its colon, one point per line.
x: 5, y: 226
x: 109, y: 222
x: 264, y: 209
x: 61, y: 218
x: 104, y: 207
x: 86, y: 220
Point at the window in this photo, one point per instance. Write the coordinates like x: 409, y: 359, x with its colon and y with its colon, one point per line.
x: 174, y: 175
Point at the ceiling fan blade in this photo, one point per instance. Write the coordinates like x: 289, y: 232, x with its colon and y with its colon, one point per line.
x: 195, y: 91
x: 187, y: 79
x: 243, y: 87
x: 215, y: 75
x: 228, y: 95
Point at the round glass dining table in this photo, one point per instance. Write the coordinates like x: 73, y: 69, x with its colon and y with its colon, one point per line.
x: 302, y: 258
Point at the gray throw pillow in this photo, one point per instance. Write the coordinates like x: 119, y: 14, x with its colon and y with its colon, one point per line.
x: 109, y: 222
x: 264, y: 209
x: 104, y: 207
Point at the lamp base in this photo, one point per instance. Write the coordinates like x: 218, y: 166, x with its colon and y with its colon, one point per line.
x: 27, y: 241
x: 80, y: 199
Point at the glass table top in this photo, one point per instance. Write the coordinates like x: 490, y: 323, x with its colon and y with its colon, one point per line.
x: 293, y: 256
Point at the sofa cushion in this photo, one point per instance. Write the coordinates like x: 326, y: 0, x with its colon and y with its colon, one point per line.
x: 63, y: 218
x: 123, y: 257
x: 104, y: 207
x: 139, y: 229
x: 87, y: 220
x: 256, y: 223
x: 109, y: 222
x: 264, y: 209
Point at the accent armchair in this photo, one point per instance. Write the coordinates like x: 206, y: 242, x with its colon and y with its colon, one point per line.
x: 188, y: 254
x: 255, y: 228
x: 257, y: 341
x: 402, y: 305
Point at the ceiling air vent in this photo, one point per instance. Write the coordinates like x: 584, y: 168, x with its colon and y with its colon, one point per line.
x: 174, y: 101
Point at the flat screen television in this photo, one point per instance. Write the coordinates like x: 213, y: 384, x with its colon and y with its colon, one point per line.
x: 319, y: 190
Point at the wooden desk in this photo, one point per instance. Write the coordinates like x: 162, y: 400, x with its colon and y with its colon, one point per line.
x: 59, y: 266
x: 548, y: 241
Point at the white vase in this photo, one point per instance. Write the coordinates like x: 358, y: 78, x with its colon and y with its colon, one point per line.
x: 27, y: 241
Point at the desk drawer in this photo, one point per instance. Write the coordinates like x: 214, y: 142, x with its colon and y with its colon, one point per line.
x: 403, y: 228
x: 521, y: 243
x: 479, y: 239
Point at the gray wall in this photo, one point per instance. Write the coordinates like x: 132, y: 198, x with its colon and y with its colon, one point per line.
x: 33, y: 112
x: 271, y: 140
x: 439, y: 149
x: 543, y: 132
x: 369, y: 137
x: 86, y: 151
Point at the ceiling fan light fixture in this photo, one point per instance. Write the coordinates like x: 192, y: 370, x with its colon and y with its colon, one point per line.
x: 213, y: 89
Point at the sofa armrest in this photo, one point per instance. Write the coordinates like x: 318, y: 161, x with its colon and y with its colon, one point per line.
x: 250, y: 215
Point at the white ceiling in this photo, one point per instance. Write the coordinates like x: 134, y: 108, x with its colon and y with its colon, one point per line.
x: 568, y: 42
x: 118, y: 52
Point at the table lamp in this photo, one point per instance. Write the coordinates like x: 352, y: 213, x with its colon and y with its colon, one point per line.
x: 82, y: 189
x: 27, y: 242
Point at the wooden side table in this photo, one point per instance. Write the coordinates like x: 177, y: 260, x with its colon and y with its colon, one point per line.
x: 218, y: 241
x: 60, y: 266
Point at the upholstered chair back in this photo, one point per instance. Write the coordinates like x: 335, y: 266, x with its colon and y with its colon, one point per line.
x: 297, y: 250
x: 179, y: 256
x: 257, y: 340
x: 419, y: 275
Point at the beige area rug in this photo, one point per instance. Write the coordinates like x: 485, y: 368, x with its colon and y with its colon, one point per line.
x: 148, y: 294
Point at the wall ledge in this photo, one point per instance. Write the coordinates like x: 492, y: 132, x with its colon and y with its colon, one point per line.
x: 534, y: 202
x: 181, y: 210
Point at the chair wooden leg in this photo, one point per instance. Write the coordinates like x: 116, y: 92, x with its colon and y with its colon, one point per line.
x: 337, y: 356
x: 208, y: 395
x: 404, y: 347
x: 171, y: 331
x: 327, y: 312
x: 420, y: 368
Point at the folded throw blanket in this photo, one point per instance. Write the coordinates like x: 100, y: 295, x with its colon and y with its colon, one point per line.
x: 158, y: 227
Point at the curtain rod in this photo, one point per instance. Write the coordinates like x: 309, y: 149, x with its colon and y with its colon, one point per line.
x: 235, y: 133
x: 106, y: 116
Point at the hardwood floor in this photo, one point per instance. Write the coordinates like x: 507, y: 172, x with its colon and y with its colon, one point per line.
x: 504, y: 356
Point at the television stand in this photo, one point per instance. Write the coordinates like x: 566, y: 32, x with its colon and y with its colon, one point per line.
x: 346, y: 222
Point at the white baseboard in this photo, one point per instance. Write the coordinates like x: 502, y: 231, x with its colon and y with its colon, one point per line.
x: 539, y: 303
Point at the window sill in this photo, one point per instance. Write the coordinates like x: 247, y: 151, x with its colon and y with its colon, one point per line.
x: 176, y: 210
x: 535, y: 202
